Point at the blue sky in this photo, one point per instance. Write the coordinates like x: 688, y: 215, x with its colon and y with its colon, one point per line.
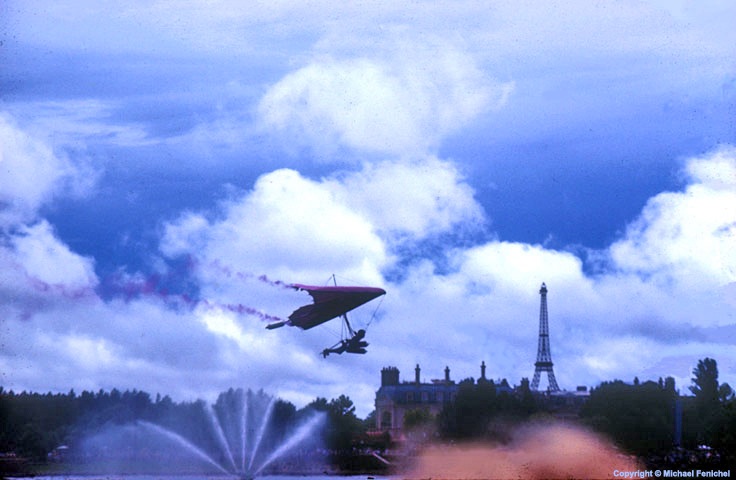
x: 457, y: 155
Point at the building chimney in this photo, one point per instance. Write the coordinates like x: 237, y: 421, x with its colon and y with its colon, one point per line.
x: 416, y: 371
x: 447, y: 374
x: 483, y: 370
x: 389, y: 376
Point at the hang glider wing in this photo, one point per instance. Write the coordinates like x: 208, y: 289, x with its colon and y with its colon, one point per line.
x: 329, y: 303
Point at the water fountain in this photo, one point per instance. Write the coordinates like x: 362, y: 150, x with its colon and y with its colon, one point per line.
x: 241, y: 430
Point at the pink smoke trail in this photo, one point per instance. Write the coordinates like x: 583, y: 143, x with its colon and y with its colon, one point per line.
x: 240, y: 309
x: 133, y: 288
x: 150, y: 288
x: 48, y: 292
x: 59, y: 289
x: 244, y: 276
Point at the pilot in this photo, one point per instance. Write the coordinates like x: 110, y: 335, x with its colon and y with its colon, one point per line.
x: 356, y: 344
x: 352, y: 345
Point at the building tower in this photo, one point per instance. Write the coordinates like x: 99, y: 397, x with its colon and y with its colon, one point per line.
x: 544, y: 356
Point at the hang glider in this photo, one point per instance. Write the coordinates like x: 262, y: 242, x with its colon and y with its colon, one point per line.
x: 330, y: 303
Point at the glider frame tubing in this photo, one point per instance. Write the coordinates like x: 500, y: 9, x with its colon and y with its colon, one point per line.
x: 345, y: 318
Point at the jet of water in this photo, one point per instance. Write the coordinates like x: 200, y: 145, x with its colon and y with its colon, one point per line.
x: 301, y: 434
x: 230, y: 444
x: 183, y: 442
x: 261, y: 432
x: 244, y: 431
x: 220, y: 435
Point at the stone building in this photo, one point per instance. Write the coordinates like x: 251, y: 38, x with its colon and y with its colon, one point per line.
x: 395, y: 398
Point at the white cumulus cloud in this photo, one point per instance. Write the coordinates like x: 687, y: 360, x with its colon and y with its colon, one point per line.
x: 687, y: 238
x: 288, y: 226
x: 44, y: 257
x: 31, y: 174
x: 399, y: 105
x: 415, y: 198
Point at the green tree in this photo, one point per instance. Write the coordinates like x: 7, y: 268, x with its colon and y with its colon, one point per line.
x: 725, y: 392
x: 343, y: 427
x: 724, y: 430
x: 705, y: 382
x: 417, y: 418
x: 528, y: 403
x: 669, y: 385
x: 469, y: 415
x: 638, y: 417
x: 370, y: 421
x: 704, y: 418
x: 32, y: 443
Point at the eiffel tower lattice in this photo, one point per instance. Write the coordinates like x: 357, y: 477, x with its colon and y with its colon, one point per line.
x: 544, y: 356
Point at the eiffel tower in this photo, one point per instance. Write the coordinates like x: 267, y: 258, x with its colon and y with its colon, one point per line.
x: 544, y: 356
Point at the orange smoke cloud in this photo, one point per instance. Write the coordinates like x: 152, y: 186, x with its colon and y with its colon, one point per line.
x: 535, y: 453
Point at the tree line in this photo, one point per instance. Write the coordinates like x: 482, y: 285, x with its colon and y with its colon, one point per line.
x: 639, y: 417
x: 34, y: 424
